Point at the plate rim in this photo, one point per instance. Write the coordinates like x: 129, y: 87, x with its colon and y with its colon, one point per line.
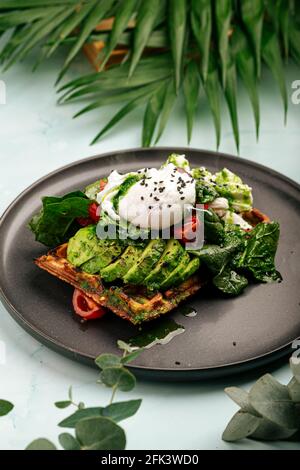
x: 194, y: 372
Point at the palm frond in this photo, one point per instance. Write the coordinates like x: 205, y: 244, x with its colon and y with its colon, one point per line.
x: 177, y: 14
x: 172, y: 48
x: 191, y: 84
x: 223, y: 14
x: 253, y: 15
x: 201, y: 22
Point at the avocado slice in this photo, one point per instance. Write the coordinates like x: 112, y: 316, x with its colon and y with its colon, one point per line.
x: 175, y: 277
x: 167, y: 263
x: 82, y: 246
x: 107, y: 251
x: 120, y: 267
x: 149, y: 258
x: 191, y: 268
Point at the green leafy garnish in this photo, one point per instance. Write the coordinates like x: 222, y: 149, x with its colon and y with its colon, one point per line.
x: 56, y: 221
x: 269, y: 412
x: 259, y: 255
x: 96, y: 428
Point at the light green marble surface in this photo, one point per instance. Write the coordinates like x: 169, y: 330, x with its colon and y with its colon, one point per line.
x: 36, y: 137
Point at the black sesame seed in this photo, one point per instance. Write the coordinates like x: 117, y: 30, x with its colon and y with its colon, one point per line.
x: 182, y: 197
x: 142, y: 198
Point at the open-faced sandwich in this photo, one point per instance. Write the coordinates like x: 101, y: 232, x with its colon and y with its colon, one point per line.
x: 140, y: 243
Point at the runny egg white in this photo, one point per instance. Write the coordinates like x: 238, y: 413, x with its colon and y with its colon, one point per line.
x: 159, y: 200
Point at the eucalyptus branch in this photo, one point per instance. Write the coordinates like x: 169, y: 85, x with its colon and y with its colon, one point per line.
x: 96, y: 428
x: 270, y: 411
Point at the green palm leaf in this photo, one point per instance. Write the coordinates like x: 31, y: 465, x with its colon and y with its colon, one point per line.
x: 167, y: 106
x: 177, y: 16
x: 284, y: 19
x: 149, y: 70
x: 294, y: 36
x: 246, y: 67
x: 152, y: 113
x: 191, y: 84
x: 253, y: 14
x: 230, y: 95
x: 20, y: 4
x: 95, y: 13
x: 128, y: 108
x: 15, y: 18
x: 207, y: 40
x: 212, y: 90
x: 117, y: 97
x: 201, y: 21
x: 33, y: 35
x: 122, y: 17
x: 223, y: 13
x: 272, y: 56
x: 147, y: 14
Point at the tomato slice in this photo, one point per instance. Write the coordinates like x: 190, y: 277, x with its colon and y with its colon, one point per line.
x: 103, y: 183
x: 93, y: 218
x: 186, y: 233
x: 85, y: 307
x: 94, y: 212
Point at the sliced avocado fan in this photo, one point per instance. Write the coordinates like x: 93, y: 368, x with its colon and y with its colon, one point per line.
x: 150, y: 256
x: 175, y: 277
x: 171, y: 256
x: 87, y: 251
x: 121, y: 266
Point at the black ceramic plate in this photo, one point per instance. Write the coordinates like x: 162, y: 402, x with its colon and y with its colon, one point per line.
x: 226, y: 335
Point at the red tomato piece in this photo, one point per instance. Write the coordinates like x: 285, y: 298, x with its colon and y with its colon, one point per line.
x: 94, y: 213
x: 86, y: 307
x: 186, y: 232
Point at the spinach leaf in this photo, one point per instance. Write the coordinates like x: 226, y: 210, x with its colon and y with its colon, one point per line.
x: 216, y: 257
x: 205, y: 192
x: 218, y: 260
x: 56, y: 221
x: 213, y: 228
x: 230, y: 282
x: 259, y: 254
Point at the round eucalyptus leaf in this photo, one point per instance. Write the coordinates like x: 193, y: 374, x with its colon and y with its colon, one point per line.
x: 5, y: 407
x: 107, y: 360
x: 100, y: 433
x: 268, y: 431
x: 272, y: 400
x: 241, y: 425
x: 131, y: 356
x: 72, y: 420
x: 294, y: 390
x: 62, y: 404
x: 295, y: 366
x: 118, y: 377
x: 41, y: 444
x: 68, y: 442
x: 241, y: 398
x: 124, y: 346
